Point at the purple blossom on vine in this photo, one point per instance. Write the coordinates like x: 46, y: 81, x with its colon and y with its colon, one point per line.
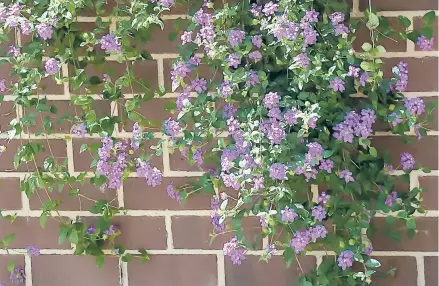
x: 346, y: 175
x: 288, y: 215
x: 345, y: 259
x: 235, y: 252
x: 17, y: 276
x: 52, y: 66
x: 425, y: 44
x: 407, y: 161
x: 44, y: 30
x: 152, y: 175
x: 110, y: 44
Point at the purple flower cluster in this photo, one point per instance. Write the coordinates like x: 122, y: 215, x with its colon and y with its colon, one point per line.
x: 257, y: 41
x: 253, y: 78
x: 229, y: 110
x: 345, y: 259
x: 17, y: 276
x: 183, y: 99
x: 13, y: 51
x: 414, y: 106
x: 319, y: 231
x: 255, y: 55
x: 112, y: 162
x: 234, y: 60
x: 2, y: 85
x: 425, y: 44
x: 52, y: 66
x: 44, y: 30
x: 302, y: 60
x: 288, y: 215
x: 152, y: 175
x: 236, y: 37
x: 186, y: 37
x: 286, y: 29
x: 363, y: 78
x: 172, y: 193
x: 32, y: 250
x: 226, y: 88
x: 355, y: 124
x: 300, y: 240
x: 172, y: 127
x: 234, y: 251
x: 79, y: 129
x: 354, y: 71
x: 256, y: 10
x: 291, y: 116
x: 179, y: 71
x: 326, y: 165
x: 278, y: 171
x: 346, y: 175
x: 323, y: 198
x: 318, y: 212
x: 215, y: 217
x: 337, y: 84
x: 199, y: 84
x: 270, y: 250
x: 271, y: 100
x: 137, y: 136
x: 402, y: 74
x: 391, y: 199
x: 407, y: 161
x: 311, y: 16
x: 336, y: 18
x: 110, y: 43
x: 270, y: 8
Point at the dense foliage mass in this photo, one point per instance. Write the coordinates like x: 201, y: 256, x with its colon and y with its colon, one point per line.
x: 287, y: 103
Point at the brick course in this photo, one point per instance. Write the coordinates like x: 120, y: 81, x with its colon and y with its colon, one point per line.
x: 178, y: 236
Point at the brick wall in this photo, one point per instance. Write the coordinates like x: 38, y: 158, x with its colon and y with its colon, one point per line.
x: 177, y: 236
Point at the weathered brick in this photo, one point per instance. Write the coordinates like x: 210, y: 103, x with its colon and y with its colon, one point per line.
x: 406, y: 272
x: 425, y: 239
x: 64, y: 108
x: 141, y: 232
x: 430, y: 197
x: 73, y: 270
x: 423, y: 72
x: 391, y: 44
x: 430, y: 268
x: 57, y: 147
x: 5, y: 260
x: 139, y: 196
x: 395, y: 146
x: 28, y: 231
x: 7, y: 113
x: 83, y: 160
x: 400, y: 5
x: 74, y: 203
x: 253, y: 272
x: 193, y: 232
x: 417, y: 25
x: 182, y: 270
x: 10, y: 195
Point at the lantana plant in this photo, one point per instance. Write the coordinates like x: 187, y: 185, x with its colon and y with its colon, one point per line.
x: 291, y: 106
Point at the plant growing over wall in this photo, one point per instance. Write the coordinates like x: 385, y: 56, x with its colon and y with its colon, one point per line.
x: 294, y: 106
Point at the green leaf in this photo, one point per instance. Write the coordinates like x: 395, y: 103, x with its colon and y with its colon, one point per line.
x: 327, y: 153
x: 428, y: 18
x: 390, y: 220
x: 373, y: 22
x: 427, y: 32
x: 373, y: 151
x: 366, y: 47
x: 8, y: 239
x: 404, y: 21
x: 83, y: 148
x: 411, y: 224
x: 73, y: 236
x: 100, y: 260
x: 11, y: 266
x: 43, y: 220
x: 373, y: 263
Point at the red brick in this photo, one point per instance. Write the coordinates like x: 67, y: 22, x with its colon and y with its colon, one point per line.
x: 430, y: 197
x: 64, y: 108
x: 423, y: 72
x: 58, y: 148
x: 83, y: 160
x: 28, y: 231
x: 5, y: 260
x: 68, y: 267
x: 433, y: 124
x: 400, y: 5
x: 395, y: 146
x: 10, y: 195
x: 391, y: 45
x: 193, y: 232
x: 75, y: 203
x: 141, y: 232
x: 406, y: 273
x: 417, y: 24
x: 257, y: 273
x: 179, y: 163
x: 425, y: 239
x: 431, y: 273
x: 182, y: 270
x: 7, y: 113
x: 139, y: 196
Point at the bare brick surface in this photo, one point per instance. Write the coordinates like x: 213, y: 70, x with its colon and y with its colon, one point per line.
x: 431, y: 195
x: 431, y: 272
x: 10, y: 199
x: 398, y: 5
x: 183, y: 270
x: 406, y: 271
x: 55, y: 270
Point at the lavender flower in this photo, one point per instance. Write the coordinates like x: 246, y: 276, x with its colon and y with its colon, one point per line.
x: 13, y: 51
x: 172, y: 127
x: 17, y: 276
x: 112, y: 230
x: 199, y: 85
x: 311, y: 16
x: 110, y: 43
x: 302, y: 60
x: 2, y: 85
x: 401, y: 72
x: 368, y: 250
x: 234, y: 251
x: 79, y: 129
x: 234, y: 60
x: 256, y: 10
x: 336, y: 18
x: 425, y: 44
x: 354, y: 71
x: 253, y: 78
x: 258, y: 183
x: 52, y: 66
x: 91, y: 230
x: 186, y: 37
x: 326, y: 165
x: 288, y: 215
x: 229, y: 110
x: 275, y: 132
x: 337, y: 84
x: 215, y: 220
x: 391, y: 199
x: 346, y: 175
x: 275, y: 113
x: 236, y: 37
x: 270, y: 8
x: 414, y: 106
x: 230, y: 181
x: 278, y: 171
x: 300, y: 240
x: 26, y: 28
x: 407, y: 161
x: 179, y: 71
x: 309, y: 36
x: 319, y: 231
x: 318, y: 212
x: 32, y: 250
x: 291, y: 116
x: 323, y: 198
x: 257, y: 41
x: 45, y: 31
x: 226, y: 88
x: 270, y: 250
x: 137, y: 136
x: 195, y: 60
x: 341, y: 29
x: 152, y: 175
x: 345, y: 259
x: 255, y: 55
x: 271, y: 100
x: 363, y: 78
